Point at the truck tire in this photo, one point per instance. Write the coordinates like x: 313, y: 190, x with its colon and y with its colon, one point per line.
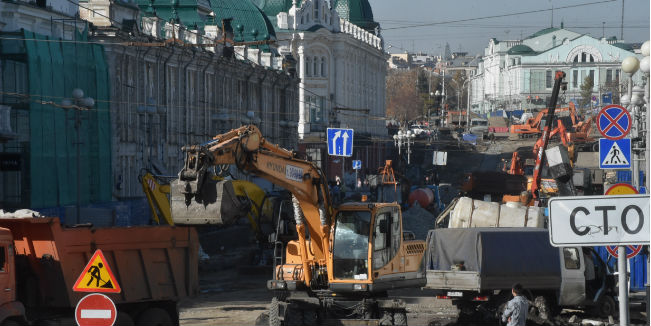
x: 293, y: 317
x: 606, y: 306
x: 385, y: 318
x: 274, y: 317
x: 400, y: 318
x: 123, y: 319
x: 155, y: 317
x: 539, y: 310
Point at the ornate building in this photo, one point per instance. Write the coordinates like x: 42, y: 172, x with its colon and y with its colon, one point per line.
x: 342, y: 67
x: 519, y: 74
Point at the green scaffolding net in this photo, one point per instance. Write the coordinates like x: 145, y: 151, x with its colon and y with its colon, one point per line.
x: 56, y: 164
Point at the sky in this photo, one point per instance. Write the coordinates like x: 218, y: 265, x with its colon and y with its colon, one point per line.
x: 472, y: 34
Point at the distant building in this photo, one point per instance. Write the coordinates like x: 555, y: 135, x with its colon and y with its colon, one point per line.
x: 520, y: 73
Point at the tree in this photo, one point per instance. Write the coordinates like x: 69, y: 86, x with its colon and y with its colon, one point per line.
x: 402, y: 94
x: 586, y: 91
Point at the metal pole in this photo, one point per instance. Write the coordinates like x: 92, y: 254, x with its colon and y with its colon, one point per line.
x: 468, y: 106
x: 77, y: 127
x: 623, y: 286
x: 635, y: 166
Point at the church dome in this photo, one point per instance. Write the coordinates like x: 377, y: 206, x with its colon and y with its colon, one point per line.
x: 271, y: 8
x: 521, y: 49
x: 249, y: 23
x: 358, y: 12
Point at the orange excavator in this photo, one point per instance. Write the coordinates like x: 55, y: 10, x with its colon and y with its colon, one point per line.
x: 532, y: 125
x: 343, y: 260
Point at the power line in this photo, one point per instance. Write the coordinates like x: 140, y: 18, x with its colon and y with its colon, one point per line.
x: 497, y: 16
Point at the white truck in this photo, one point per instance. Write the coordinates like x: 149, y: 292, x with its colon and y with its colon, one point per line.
x: 476, y: 268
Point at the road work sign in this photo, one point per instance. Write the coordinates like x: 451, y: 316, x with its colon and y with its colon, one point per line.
x: 614, y: 122
x: 95, y: 310
x: 599, y: 220
x: 614, y: 154
x: 97, y: 276
x: 340, y: 142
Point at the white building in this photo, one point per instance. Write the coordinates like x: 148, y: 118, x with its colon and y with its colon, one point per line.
x: 342, y: 68
x: 519, y: 74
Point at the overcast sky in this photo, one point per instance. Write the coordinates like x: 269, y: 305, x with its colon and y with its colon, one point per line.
x: 472, y: 36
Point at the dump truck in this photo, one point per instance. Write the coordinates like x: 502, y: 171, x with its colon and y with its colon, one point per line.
x: 40, y: 260
x: 476, y: 268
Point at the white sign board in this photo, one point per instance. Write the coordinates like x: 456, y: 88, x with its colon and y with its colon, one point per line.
x: 599, y: 220
x: 440, y: 158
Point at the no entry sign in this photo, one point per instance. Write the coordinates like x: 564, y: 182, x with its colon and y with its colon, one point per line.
x: 614, y: 122
x: 95, y: 310
x: 631, y: 251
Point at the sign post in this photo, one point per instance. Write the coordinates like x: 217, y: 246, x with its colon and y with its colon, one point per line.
x: 357, y: 165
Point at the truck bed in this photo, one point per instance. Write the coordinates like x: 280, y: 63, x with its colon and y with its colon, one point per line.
x: 482, y: 259
x: 150, y: 263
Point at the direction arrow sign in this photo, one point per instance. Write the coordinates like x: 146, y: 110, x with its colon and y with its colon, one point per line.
x: 631, y: 251
x: 340, y: 142
x: 614, y: 154
x: 95, y: 310
x: 614, y: 122
x: 599, y: 220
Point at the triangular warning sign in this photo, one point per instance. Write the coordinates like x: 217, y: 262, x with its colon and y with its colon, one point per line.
x: 614, y: 157
x: 97, y: 276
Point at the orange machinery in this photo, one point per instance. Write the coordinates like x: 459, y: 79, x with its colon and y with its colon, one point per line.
x: 532, y: 125
x: 353, y: 254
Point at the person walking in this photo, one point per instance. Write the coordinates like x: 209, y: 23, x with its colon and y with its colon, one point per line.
x: 515, y: 313
x: 492, y: 137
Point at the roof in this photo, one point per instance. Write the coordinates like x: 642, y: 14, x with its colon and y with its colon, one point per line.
x: 521, y: 49
x: 272, y: 8
x: 543, y: 32
x: 358, y: 12
x: 183, y: 11
x: 249, y: 22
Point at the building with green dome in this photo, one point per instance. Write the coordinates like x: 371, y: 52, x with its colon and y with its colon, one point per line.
x: 519, y: 74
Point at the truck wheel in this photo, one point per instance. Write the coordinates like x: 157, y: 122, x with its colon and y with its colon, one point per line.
x: 123, y: 319
x: 293, y: 317
x: 539, y: 310
x: 155, y: 317
x: 385, y: 318
x: 606, y: 306
x: 400, y: 318
x: 274, y: 318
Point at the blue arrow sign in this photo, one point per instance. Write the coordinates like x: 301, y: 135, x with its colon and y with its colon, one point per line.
x: 357, y: 164
x: 614, y: 154
x: 340, y: 142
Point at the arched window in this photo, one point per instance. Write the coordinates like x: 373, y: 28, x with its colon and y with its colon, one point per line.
x: 576, y: 58
x: 308, y: 67
x: 316, y: 10
x: 583, y: 57
x: 324, y: 67
x: 316, y: 66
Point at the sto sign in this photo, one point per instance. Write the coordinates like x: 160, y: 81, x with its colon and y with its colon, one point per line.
x: 599, y: 220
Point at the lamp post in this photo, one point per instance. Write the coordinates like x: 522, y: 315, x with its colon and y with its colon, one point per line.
x: 79, y: 103
x: 404, y: 138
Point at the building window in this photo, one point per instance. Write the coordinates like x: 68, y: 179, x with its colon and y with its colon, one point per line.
x: 323, y: 67
x: 316, y: 10
x: 316, y: 66
x: 308, y: 67
x: 583, y: 57
x: 609, y: 75
x: 314, y: 154
x: 575, y: 78
x: 576, y: 58
x: 315, y: 104
x: 548, y: 79
x: 592, y: 76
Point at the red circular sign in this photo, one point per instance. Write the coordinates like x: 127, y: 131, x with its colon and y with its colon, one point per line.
x: 631, y: 251
x: 610, y: 124
x: 95, y: 310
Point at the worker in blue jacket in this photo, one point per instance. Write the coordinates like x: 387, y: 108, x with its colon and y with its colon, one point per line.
x: 515, y: 313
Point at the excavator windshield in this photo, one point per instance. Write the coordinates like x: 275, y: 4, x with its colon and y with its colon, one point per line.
x: 350, y: 246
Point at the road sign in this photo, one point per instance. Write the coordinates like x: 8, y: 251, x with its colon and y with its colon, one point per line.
x: 614, y: 154
x: 95, y: 310
x: 440, y: 158
x: 599, y: 220
x: 614, y: 122
x: 631, y: 251
x: 607, y: 98
x: 97, y: 276
x: 340, y: 142
x: 357, y: 164
x: 621, y: 189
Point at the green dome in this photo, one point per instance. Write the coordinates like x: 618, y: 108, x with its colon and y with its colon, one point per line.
x: 521, y: 49
x: 249, y: 22
x: 272, y: 7
x: 358, y: 12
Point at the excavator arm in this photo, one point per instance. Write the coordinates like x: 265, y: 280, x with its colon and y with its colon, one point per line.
x: 250, y: 152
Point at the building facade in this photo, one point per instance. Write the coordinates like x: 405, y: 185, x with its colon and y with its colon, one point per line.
x: 519, y: 74
x: 342, y: 67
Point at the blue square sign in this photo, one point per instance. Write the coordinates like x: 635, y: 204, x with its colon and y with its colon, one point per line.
x: 357, y: 164
x: 340, y: 142
x: 614, y: 154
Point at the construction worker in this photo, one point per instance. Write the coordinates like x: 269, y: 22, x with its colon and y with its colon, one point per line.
x: 515, y: 313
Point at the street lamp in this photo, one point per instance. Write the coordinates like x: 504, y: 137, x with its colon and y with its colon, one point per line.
x: 404, y: 138
x: 79, y: 103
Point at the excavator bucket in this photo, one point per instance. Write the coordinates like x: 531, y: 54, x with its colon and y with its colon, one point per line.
x: 215, y: 203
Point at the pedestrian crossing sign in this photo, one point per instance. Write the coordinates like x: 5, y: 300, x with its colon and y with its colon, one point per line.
x: 97, y: 276
x: 614, y: 154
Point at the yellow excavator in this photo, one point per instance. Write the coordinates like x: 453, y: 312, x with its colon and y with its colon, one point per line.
x: 344, y: 259
x: 249, y: 200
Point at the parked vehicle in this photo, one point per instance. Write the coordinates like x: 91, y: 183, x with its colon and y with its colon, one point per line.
x: 476, y: 267
x: 155, y: 266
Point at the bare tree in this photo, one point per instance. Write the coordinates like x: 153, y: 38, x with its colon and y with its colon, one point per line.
x: 402, y: 96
